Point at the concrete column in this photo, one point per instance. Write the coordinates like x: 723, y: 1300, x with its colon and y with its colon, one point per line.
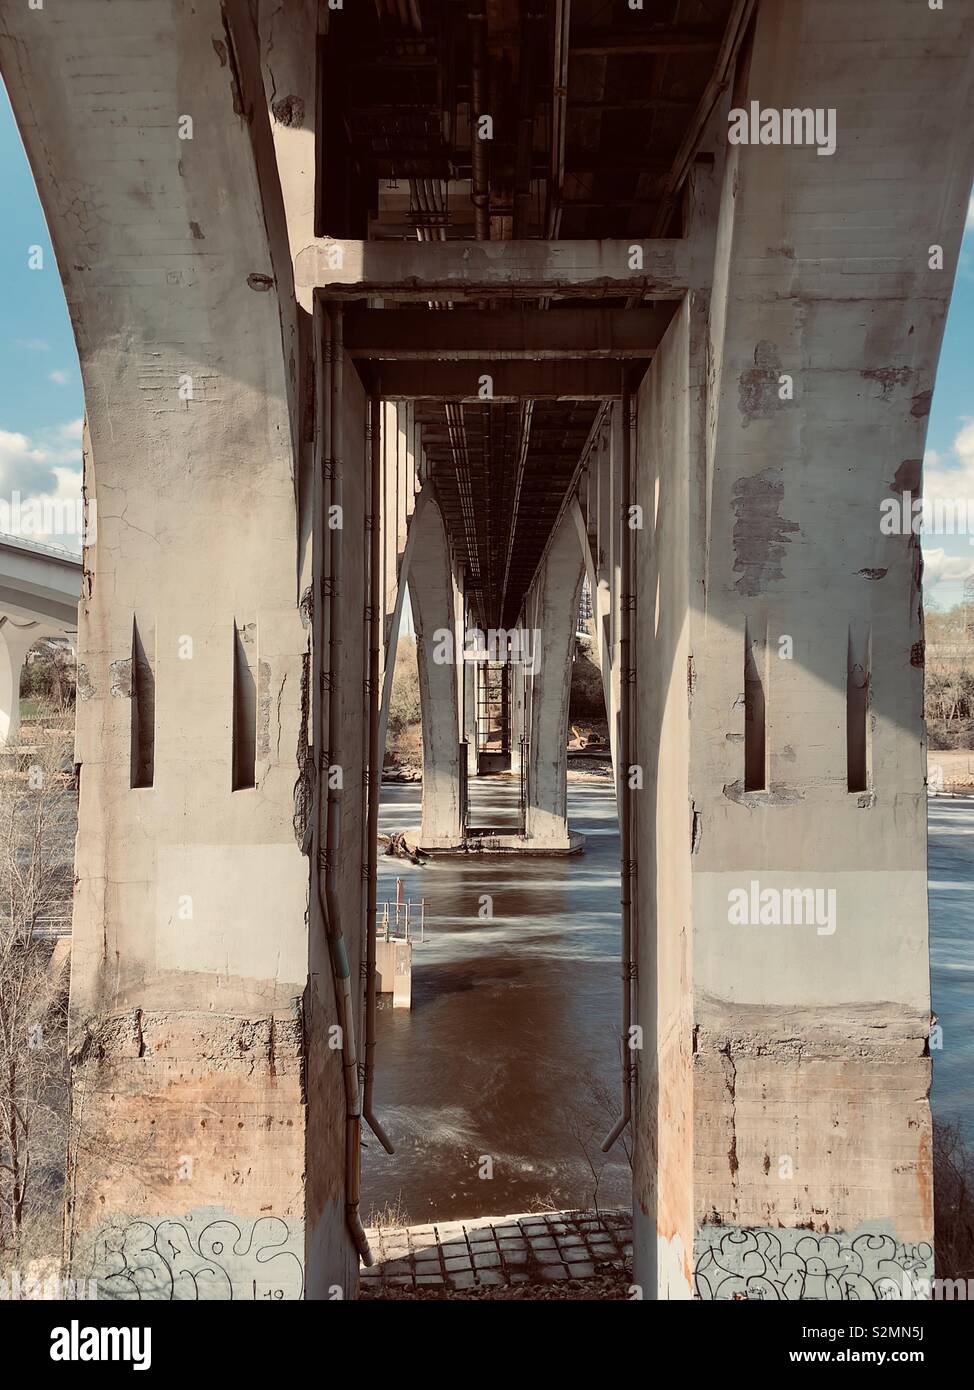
x: 552, y: 609
x: 210, y: 1134
x: 16, y: 640
x: 431, y: 593
x: 469, y: 676
x: 518, y: 724
x: 783, y: 1128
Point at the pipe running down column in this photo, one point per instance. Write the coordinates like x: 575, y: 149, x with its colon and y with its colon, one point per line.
x: 480, y: 177
x: 329, y: 347
x: 626, y: 680
x: 375, y: 762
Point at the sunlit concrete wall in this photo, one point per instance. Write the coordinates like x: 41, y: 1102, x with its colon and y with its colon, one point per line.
x: 201, y: 1127
x: 803, y: 1063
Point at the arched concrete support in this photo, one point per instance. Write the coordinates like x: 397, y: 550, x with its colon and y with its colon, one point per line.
x: 784, y: 1073
x: 432, y: 596
x: 197, y: 988
x: 551, y: 611
x: 400, y: 467
x: 604, y: 616
x: 16, y: 640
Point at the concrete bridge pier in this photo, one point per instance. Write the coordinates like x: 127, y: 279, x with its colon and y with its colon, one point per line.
x: 16, y: 640
x: 433, y: 599
x: 551, y: 616
x: 781, y: 891
x: 210, y: 1153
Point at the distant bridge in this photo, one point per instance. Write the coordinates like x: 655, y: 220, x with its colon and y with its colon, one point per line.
x: 39, y: 590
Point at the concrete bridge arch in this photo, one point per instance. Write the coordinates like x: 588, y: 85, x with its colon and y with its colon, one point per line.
x: 236, y: 292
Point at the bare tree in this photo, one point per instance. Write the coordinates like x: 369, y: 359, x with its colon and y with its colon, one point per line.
x: 37, y: 819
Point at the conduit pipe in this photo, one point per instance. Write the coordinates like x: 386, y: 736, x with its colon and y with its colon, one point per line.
x: 375, y: 764
x: 625, y: 757
x: 328, y: 339
x: 480, y: 179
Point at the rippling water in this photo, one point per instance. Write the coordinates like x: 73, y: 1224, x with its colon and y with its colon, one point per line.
x: 951, y: 896
x: 509, y: 1050
x: 511, y: 1036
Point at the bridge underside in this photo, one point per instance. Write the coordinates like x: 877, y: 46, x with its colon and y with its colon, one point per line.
x: 340, y: 336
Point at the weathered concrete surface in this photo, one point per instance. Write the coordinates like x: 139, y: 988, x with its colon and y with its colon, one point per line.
x: 551, y: 615
x: 433, y: 599
x: 794, y: 1083
x: 394, y: 966
x: 192, y: 899
x: 458, y: 270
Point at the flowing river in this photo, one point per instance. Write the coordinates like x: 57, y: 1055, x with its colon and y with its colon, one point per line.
x: 498, y: 1085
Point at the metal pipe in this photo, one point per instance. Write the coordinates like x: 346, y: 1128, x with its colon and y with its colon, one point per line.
x: 480, y: 178
x: 559, y: 114
x: 329, y: 341
x: 375, y: 765
x: 625, y: 755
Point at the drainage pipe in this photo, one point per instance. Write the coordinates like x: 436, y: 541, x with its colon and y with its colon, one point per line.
x: 329, y: 342
x: 625, y: 757
x: 375, y: 764
x: 480, y: 179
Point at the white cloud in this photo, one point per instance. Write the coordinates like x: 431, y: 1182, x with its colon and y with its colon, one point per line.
x: 951, y: 476
x: 970, y: 213
x: 31, y: 464
x: 33, y: 344
x: 941, y: 568
x: 60, y: 377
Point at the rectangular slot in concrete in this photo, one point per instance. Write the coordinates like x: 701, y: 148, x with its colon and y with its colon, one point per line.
x: 142, y: 766
x: 244, y: 706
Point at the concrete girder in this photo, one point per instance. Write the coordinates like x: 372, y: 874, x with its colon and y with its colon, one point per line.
x: 505, y: 334
x: 572, y: 380
x: 463, y: 271
x: 39, y: 582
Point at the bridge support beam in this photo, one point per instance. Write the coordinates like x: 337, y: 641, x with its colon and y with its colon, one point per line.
x: 551, y: 614
x: 783, y: 1132
x: 433, y: 599
x: 208, y: 1156
x: 16, y: 641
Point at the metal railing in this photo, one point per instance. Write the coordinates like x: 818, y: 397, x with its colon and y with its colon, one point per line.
x: 400, y: 920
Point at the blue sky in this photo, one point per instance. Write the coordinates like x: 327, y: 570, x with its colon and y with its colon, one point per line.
x: 41, y: 401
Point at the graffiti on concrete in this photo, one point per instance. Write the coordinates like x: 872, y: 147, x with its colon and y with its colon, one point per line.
x: 205, y: 1256
x: 736, y: 1263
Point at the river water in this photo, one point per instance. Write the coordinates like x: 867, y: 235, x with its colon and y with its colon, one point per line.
x: 499, y: 1083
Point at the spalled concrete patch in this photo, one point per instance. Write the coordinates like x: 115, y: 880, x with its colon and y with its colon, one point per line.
x: 758, y: 397
x: 888, y: 378
x: 760, y: 531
